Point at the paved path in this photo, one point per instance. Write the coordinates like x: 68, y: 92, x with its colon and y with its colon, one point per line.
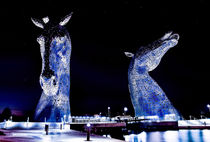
x: 54, y: 136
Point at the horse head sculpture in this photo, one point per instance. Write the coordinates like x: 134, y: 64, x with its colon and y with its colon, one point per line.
x: 147, y: 97
x: 55, y: 48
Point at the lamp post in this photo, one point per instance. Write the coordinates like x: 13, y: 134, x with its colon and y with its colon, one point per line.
x: 27, y: 122
x: 109, y: 112
x: 88, y: 131
x: 208, y: 106
x: 46, y: 128
x: 125, y: 110
x: 11, y: 118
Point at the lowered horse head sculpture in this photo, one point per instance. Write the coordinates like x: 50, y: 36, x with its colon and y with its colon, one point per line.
x: 55, y: 48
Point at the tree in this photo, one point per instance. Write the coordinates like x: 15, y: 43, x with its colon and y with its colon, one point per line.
x: 5, y: 115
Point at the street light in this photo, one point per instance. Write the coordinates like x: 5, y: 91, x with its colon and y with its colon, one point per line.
x: 109, y: 112
x: 88, y: 131
x: 208, y: 106
x: 125, y: 110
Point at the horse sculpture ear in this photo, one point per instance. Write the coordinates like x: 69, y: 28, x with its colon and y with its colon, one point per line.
x: 66, y: 19
x: 167, y: 35
x: 37, y: 23
x: 128, y: 54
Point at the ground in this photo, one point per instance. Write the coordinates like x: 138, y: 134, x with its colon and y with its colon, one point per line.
x: 54, y: 136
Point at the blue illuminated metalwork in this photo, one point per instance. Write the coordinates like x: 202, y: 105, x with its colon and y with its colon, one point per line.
x: 55, y: 48
x: 147, y: 97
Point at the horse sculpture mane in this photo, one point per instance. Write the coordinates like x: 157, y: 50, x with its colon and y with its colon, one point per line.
x: 55, y: 48
x: 147, y: 97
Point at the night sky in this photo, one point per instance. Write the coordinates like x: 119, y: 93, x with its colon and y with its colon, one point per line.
x: 100, y: 33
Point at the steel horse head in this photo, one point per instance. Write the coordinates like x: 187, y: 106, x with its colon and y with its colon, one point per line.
x: 55, y: 48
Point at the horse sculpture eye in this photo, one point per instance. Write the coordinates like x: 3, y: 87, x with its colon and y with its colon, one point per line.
x: 54, y: 82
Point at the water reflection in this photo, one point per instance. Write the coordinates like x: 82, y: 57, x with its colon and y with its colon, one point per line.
x: 171, y: 136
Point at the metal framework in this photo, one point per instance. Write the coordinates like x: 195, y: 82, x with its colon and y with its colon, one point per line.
x: 55, y: 48
x: 149, y: 100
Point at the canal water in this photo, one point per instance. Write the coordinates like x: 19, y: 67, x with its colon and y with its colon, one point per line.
x: 171, y: 136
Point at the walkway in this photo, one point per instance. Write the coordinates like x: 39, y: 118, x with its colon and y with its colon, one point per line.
x: 54, y: 136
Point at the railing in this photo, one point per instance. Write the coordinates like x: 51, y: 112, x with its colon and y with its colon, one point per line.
x: 199, y: 122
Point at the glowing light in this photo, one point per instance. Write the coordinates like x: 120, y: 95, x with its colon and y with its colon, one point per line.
x: 88, y: 125
x: 142, y: 137
x: 171, y: 136
x: 147, y: 97
x: 170, y: 117
x: 206, y: 135
x: 125, y: 109
x: 154, y: 117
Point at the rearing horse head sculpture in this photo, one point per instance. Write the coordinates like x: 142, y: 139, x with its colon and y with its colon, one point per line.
x: 147, y: 97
